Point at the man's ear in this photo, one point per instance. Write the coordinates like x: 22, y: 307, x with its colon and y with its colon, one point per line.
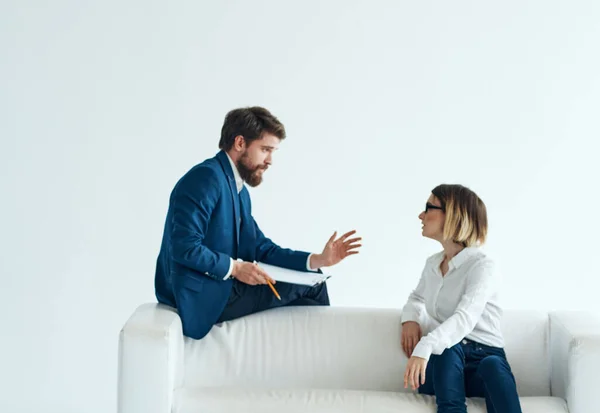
x: 239, y: 143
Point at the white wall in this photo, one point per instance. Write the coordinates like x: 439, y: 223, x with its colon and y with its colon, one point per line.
x: 104, y: 105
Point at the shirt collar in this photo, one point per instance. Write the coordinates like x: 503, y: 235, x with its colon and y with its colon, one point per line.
x: 458, y: 260
x: 239, y: 182
x: 462, y: 257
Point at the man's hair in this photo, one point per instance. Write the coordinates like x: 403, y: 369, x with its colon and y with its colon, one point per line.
x: 251, y: 123
x: 466, y: 215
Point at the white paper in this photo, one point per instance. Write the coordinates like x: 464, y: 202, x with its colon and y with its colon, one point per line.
x: 293, y: 276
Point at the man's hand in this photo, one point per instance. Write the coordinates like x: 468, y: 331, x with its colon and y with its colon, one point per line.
x: 336, y: 250
x: 411, y: 334
x: 414, y: 375
x: 250, y: 273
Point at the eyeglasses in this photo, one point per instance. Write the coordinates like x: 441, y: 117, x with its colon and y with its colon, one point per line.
x: 429, y: 206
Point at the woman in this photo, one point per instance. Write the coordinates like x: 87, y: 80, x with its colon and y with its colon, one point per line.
x: 463, y: 356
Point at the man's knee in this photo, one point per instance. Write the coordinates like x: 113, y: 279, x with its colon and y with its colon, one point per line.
x: 319, y: 294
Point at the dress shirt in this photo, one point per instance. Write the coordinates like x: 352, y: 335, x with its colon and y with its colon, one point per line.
x: 461, y: 304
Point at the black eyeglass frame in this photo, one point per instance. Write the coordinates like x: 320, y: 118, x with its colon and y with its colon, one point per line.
x: 429, y: 206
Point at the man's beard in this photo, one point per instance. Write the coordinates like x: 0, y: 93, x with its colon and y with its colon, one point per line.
x: 250, y: 174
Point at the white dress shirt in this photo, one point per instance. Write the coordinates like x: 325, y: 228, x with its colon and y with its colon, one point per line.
x: 461, y: 304
x: 239, y: 183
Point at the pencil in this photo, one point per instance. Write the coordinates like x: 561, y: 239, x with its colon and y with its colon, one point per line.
x: 274, y: 290
x: 271, y: 285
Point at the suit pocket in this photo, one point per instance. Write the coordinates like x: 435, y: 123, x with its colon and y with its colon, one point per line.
x: 190, y: 282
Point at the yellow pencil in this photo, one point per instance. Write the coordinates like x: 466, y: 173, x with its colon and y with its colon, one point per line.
x: 271, y: 285
x: 274, y: 290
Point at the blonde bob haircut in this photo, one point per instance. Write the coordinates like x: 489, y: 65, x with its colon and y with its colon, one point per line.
x: 466, y: 216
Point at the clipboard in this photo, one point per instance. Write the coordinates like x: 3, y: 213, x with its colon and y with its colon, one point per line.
x: 310, y: 278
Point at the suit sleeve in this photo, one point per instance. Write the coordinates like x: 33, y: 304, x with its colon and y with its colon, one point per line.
x: 270, y: 253
x: 193, y: 202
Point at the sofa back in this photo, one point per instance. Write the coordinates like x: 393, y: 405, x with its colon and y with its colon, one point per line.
x: 341, y: 348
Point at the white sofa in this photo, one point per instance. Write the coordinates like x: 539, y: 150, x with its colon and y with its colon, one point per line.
x: 330, y: 359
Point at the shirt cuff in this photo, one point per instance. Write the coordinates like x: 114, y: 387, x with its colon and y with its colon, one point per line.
x: 308, y: 263
x: 410, y: 316
x: 422, y: 350
x: 230, y: 269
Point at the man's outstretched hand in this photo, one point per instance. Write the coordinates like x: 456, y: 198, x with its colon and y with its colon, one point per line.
x: 336, y: 250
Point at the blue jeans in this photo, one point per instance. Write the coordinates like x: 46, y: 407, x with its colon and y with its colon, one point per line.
x: 470, y: 369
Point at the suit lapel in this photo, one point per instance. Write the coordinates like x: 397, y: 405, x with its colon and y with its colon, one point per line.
x: 236, y: 209
x: 222, y: 157
x: 247, y: 247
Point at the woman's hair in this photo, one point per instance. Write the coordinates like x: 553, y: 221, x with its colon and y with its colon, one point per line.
x: 466, y: 215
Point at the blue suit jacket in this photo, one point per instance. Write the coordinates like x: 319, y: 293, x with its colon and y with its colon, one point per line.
x: 207, y: 223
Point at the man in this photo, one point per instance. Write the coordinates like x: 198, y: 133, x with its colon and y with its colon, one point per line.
x: 206, y: 265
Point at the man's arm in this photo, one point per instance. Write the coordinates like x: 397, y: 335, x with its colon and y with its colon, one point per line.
x: 193, y: 202
x: 270, y: 253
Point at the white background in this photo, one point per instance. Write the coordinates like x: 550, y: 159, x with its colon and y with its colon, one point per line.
x: 105, y: 104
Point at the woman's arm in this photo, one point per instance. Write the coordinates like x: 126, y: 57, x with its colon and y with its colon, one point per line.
x: 479, y: 290
x: 414, y: 309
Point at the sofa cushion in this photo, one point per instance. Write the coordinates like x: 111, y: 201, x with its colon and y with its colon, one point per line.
x: 340, y: 348
x: 227, y: 400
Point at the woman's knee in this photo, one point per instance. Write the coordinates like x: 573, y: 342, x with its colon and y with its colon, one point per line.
x: 492, y: 365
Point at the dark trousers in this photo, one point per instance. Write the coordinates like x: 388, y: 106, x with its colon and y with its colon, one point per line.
x: 248, y: 299
x: 470, y: 369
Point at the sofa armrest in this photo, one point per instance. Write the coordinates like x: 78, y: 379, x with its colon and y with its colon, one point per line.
x: 575, y: 363
x: 150, y: 360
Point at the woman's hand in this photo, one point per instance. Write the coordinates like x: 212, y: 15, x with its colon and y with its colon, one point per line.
x: 414, y: 375
x: 411, y: 334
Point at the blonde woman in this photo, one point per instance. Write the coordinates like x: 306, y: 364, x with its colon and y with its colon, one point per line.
x: 463, y: 355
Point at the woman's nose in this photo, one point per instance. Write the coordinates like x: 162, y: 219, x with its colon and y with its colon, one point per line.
x: 421, y: 216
